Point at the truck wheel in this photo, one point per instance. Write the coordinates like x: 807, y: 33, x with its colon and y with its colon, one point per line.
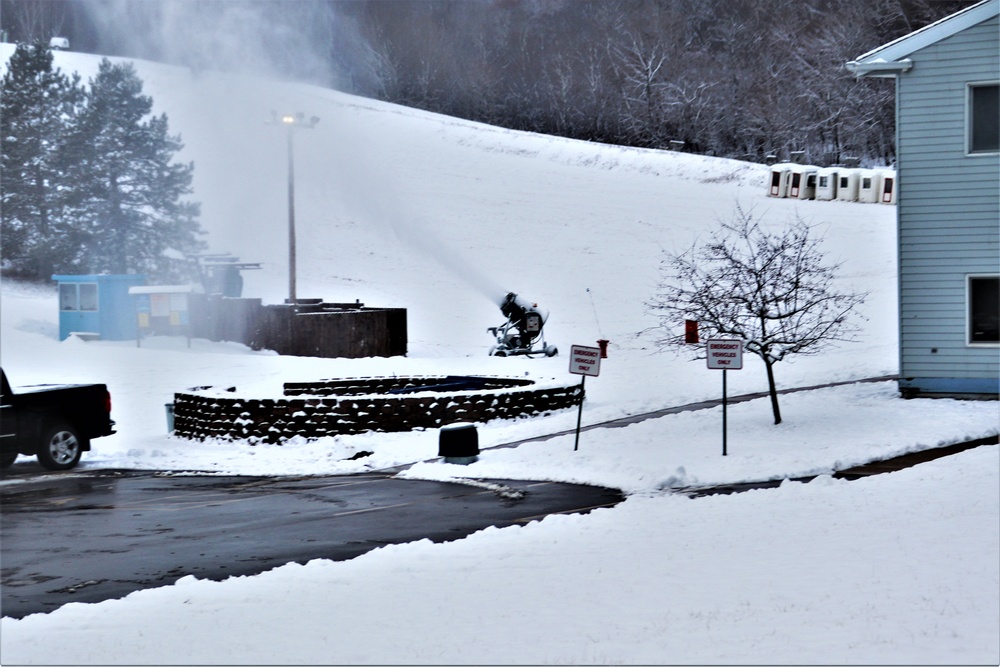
x: 60, y: 448
x: 7, y: 459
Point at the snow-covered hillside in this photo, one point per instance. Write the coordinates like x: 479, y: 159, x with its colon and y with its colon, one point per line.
x: 402, y: 208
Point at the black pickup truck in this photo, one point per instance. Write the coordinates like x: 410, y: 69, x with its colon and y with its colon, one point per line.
x: 53, y: 422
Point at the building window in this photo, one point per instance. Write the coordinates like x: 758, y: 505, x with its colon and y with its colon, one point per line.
x: 88, y: 296
x: 984, y: 118
x: 78, y: 296
x: 984, y: 309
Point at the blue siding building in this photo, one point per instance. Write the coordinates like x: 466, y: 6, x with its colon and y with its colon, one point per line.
x: 948, y: 165
x: 97, y: 304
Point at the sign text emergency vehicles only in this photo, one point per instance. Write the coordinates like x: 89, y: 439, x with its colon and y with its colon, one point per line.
x: 585, y: 360
x: 725, y: 354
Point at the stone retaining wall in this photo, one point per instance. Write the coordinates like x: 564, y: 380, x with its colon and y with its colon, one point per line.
x: 202, y: 415
x: 385, y: 385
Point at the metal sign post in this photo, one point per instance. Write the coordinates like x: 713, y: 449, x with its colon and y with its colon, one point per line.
x: 724, y: 355
x: 583, y: 361
x: 725, y: 403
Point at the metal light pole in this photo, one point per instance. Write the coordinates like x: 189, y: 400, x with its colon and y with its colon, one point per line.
x: 291, y: 123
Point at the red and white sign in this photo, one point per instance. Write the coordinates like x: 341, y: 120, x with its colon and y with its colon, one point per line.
x: 585, y: 360
x: 725, y: 354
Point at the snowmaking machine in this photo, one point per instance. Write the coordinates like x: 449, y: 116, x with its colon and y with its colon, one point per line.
x: 522, y: 332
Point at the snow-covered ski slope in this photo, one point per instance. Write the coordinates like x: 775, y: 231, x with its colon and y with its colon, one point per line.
x: 402, y: 208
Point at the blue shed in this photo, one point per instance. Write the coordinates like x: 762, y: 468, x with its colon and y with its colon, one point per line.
x: 97, y: 304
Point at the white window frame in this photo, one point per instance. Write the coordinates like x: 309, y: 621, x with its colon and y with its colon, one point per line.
x: 968, y: 118
x: 75, y: 289
x: 968, y: 310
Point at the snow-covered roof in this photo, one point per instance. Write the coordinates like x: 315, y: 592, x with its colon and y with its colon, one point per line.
x: 162, y: 289
x: 793, y: 167
x: 892, y: 58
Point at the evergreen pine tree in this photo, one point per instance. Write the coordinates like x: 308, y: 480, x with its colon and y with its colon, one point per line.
x: 127, y: 191
x: 37, y: 106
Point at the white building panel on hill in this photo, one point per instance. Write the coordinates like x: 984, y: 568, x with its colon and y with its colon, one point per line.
x: 848, y: 181
x: 803, y: 183
x: 869, y: 186
x: 781, y: 175
x: 826, y: 184
x: 887, y: 191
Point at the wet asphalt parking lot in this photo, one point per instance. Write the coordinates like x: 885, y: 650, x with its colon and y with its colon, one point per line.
x: 88, y: 536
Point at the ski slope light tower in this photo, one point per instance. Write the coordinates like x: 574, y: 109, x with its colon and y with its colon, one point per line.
x: 291, y: 124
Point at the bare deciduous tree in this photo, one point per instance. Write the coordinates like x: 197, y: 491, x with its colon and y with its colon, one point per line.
x: 771, y: 290
x: 746, y: 80
x: 33, y: 21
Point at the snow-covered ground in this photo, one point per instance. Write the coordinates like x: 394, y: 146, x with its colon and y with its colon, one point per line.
x: 402, y: 208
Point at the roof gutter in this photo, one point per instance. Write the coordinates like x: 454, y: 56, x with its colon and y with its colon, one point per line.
x: 879, y: 67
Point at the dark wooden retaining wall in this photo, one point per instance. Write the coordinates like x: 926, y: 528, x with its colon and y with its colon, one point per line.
x: 308, y: 329
x: 275, y: 420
